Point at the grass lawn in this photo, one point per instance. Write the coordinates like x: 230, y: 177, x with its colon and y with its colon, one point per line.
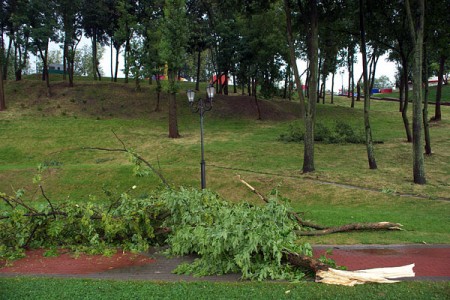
x: 50, y: 131
x: 51, y: 288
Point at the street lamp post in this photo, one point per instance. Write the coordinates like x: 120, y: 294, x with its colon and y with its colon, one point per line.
x: 201, y: 106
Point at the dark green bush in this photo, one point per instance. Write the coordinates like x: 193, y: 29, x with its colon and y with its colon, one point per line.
x: 341, y: 133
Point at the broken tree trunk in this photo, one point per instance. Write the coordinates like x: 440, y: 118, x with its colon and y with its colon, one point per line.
x: 328, y: 275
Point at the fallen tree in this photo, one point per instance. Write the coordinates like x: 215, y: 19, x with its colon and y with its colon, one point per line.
x: 259, y: 241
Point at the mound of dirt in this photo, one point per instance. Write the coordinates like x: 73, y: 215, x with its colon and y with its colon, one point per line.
x: 106, y: 100
x: 246, y: 107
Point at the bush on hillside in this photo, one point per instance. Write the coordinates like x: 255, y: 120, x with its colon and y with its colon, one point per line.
x: 341, y: 133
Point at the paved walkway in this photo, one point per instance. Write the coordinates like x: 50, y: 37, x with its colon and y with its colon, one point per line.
x: 432, y: 262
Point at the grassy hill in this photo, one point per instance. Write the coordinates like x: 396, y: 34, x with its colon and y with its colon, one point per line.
x: 445, y: 97
x: 51, y: 131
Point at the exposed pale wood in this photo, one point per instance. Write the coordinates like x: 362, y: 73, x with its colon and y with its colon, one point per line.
x: 377, y: 275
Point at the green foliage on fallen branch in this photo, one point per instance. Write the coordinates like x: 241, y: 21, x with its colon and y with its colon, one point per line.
x: 232, y: 237
x: 87, y: 227
x: 227, y: 237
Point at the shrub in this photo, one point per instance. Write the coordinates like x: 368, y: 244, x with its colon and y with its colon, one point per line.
x: 339, y: 134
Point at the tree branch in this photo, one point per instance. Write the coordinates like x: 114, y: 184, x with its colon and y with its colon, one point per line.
x: 352, y: 227
x: 48, y: 200
x: 135, y: 155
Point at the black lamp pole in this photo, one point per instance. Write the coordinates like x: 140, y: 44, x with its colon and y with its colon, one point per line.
x: 201, y: 106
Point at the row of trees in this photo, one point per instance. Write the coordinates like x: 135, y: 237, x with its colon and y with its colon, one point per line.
x: 256, y: 42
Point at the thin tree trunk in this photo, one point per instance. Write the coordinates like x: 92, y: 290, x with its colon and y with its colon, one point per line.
x: 255, y: 94
x: 2, y: 92
x: 416, y: 31
x: 158, y: 92
x: 173, y: 121
x: 405, y: 103
x: 125, y: 59
x: 349, y: 63
x: 353, y: 79
x: 6, y: 62
x: 332, y: 88
x: 117, y: 63
x: 44, y: 56
x: 401, y: 89
x: 111, y: 58
x: 368, y: 130
x: 319, y: 86
x: 286, y: 82
x: 94, y: 54
x: 437, y: 107
x: 426, y: 124
x: 197, y: 82
x: 310, y: 109
x: 65, y: 52
x: 293, y: 60
x: 234, y: 83
x: 374, y: 63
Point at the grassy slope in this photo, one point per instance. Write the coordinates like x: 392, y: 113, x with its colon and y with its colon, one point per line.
x: 431, y: 96
x: 36, y: 130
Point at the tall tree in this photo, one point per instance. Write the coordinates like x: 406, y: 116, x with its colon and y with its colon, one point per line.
x: 70, y: 14
x: 95, y: 23
x: 310, y: 109
x: 368, y: 129
x: 415, y: 11
x: 292, y: 56
x: 43, y: 21
x: 172, y: 48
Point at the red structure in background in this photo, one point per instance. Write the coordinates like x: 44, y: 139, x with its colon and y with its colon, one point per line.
x: 222, y: 79
x: 386, y: 91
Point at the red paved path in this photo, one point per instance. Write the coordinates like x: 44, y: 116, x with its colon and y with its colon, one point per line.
x: 431, y: 262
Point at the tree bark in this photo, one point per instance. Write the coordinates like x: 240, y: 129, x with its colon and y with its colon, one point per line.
x: 173, y: 121
x: 401, y: 90
x: 405, y: 103
x: 94, y: 54
x: 125, y: 59
x: 6, y: 62
x: 44, y: 57
x: 117, y: 62
x: 258, y: 109
x: 293, y: 60
x: 310, y: 109
x: 2, y: 92
x: 368, y: 129
x: 437, y: 108
x: 332, y: 88
x: 352, y: 227
x: 416, y: 31
x: 426, y: 124
x: 111, y: 59
x: 197, y: 82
